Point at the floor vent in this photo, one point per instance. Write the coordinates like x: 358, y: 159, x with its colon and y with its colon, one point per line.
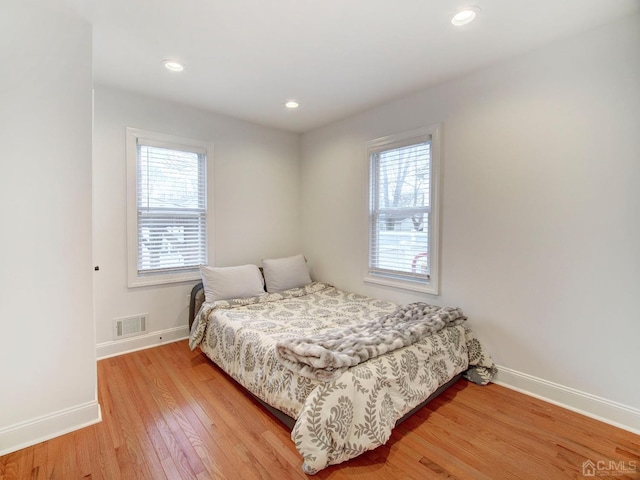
x: 130, y: 326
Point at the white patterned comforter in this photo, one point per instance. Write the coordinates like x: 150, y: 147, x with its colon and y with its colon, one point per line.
x: 342, y: 418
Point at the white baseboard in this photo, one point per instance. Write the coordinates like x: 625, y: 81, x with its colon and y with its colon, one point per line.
x: 608, y: 411
x: 31, y: 432
x: 140, y: 342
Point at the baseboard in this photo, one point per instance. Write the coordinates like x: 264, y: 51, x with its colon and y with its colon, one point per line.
x: 31, y: 432
x: 140, y: 342
x: 608, y: 411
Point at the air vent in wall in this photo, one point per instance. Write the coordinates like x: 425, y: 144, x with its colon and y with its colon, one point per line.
x: 130, y: 326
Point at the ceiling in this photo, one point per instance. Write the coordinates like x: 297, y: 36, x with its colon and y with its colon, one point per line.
x: 246, y: 58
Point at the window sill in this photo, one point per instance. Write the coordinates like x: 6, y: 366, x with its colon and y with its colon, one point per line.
x: 147, y: 280
x: 428, y: 288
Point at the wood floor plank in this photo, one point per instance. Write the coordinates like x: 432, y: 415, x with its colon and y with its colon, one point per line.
x: 437, y: 446
x: 161, y: 416
x: 244, y: 421
x: 55, y: 453
x: 188, y: 420
x: 85, y: 445
x: 10, y: 466
x: 170, y: 413
x: 71, y: 466
x: 587, y: 438
x: 217, y: 432
x: 142, y: 450
x: 126, y: 449
x: 489, y: 446
x: 210, y: 428
x: 40, y: 456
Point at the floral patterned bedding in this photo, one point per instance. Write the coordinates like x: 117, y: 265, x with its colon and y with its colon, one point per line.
x: 342, y: 418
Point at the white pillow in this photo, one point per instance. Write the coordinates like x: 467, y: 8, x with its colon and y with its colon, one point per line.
x: 284, y: 273
x: 223, y: 283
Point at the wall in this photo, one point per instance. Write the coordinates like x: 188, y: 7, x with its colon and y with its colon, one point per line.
x: 540, y: 228
x: 47, y: 336
x: 254, y: 207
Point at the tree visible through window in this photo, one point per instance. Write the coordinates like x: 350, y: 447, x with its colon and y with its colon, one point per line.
x: 400, y: 209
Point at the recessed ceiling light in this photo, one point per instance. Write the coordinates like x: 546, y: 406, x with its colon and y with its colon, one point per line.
x: 173, y: 65
x: 292, y: 104
x: 464, y: 16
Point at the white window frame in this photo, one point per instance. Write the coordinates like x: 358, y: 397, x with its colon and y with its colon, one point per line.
x: 174, y: 142
x: 431, y: 286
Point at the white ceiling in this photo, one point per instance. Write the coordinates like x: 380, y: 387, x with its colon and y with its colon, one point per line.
x: 245, y: 58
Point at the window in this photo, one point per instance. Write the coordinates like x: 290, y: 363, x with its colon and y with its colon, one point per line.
x: 403, y: 210
x: 167, y: 207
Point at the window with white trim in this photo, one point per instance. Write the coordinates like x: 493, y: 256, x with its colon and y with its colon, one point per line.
x: 403, y: 210
x: 167, y: 207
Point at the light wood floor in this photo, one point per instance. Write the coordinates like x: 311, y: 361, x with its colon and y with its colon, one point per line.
x: 170, y: 413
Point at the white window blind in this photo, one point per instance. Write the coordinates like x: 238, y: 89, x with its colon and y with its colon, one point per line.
x: 400, y: 210
x: 171, y: 207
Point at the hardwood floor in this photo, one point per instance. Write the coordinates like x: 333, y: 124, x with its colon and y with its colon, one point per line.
x: 170, y: 413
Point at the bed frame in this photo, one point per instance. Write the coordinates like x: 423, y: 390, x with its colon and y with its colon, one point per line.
x: 197, y: 299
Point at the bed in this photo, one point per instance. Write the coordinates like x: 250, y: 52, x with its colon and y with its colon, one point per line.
x: 340, y: 415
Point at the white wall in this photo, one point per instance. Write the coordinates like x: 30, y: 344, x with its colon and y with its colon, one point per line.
x: 540, y: 226
x: 255, y: 204
x: 47, y: 339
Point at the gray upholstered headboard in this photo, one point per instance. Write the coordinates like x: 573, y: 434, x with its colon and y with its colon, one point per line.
x: 196, y: 300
